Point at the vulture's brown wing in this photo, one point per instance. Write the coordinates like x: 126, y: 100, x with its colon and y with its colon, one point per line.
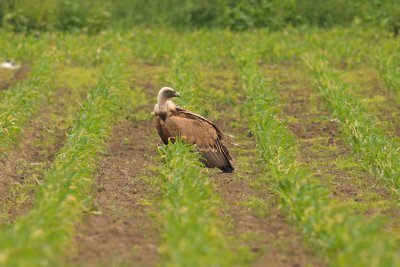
x: 162, y: 131
x: 198, y: 131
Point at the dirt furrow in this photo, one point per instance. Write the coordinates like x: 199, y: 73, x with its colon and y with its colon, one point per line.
x: 253, y: 210
x: 256, y: 218
x: 121, y: 228
x: 378, y: 101
x: 23, y: 167
x: 7, y: 77
x: 322, y: 148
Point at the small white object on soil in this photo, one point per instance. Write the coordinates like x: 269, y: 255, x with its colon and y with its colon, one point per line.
x: 9, y: 65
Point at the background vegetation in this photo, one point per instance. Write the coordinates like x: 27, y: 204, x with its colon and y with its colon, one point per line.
x: 94, y: 15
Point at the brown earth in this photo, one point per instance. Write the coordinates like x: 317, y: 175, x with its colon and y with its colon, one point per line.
x: 322, y: 149
x: 23, y: 167
x: 375, y: 98
x: 271, y: 240
x: 320, y: 139
x: 7, y: 77
x: 25, y: 164
x: 264, y: 229
x: 121, y: 230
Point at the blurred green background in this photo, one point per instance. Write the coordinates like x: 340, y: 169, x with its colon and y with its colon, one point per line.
x: 94, y: 15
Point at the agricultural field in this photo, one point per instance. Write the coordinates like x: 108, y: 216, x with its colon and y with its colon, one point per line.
x: 311, y: 117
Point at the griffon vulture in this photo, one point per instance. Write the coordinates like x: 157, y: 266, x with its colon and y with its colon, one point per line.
x: 173, y: 121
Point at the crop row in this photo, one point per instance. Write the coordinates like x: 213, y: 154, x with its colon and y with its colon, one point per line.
x: 21, y: 47
x: 23, y: 99
x: 387, y: 63
x: 378, y: 153
x: 41, y: 236
x: 193, y: 233
x: 193, y: 230
x: 342, y: 237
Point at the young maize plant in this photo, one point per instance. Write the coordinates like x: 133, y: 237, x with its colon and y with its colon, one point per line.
x: 193, y: 232
x: 388, y: 67
x: 23, y: 99
x: 42, y: 236
x: 183, y: 78
x: 340, y: 236
x: 378, y: 154
x: 23, y: 48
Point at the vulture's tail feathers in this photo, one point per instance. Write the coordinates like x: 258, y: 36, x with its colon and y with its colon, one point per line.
x: 217, y: 159
x: 227, y: 168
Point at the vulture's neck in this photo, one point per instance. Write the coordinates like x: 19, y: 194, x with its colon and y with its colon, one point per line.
x: 165, y: 108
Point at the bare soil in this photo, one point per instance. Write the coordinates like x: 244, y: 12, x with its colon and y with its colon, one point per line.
x: 7, y: 77
x: 121, y: 230
x: 265, y: 230
x: 375, y: 98
x: 323, y: 150
x: 320, y: 139
x: 26, y: 161
x: 272, y: 241
x: 23, y: 167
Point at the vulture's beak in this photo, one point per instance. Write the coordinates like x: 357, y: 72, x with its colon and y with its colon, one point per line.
x: 177, y: 94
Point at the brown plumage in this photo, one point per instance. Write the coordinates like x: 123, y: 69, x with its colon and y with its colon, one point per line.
x: 194, y: 129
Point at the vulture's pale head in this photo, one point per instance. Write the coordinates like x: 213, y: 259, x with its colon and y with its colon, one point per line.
x: 165, y: 94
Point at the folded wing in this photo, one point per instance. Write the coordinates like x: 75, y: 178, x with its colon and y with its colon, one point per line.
x: 198, y: 131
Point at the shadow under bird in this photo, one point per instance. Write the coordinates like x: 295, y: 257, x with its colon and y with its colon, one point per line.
x: 173, y: 121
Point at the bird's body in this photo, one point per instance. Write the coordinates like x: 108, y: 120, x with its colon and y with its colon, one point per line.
x: 173, y: 121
